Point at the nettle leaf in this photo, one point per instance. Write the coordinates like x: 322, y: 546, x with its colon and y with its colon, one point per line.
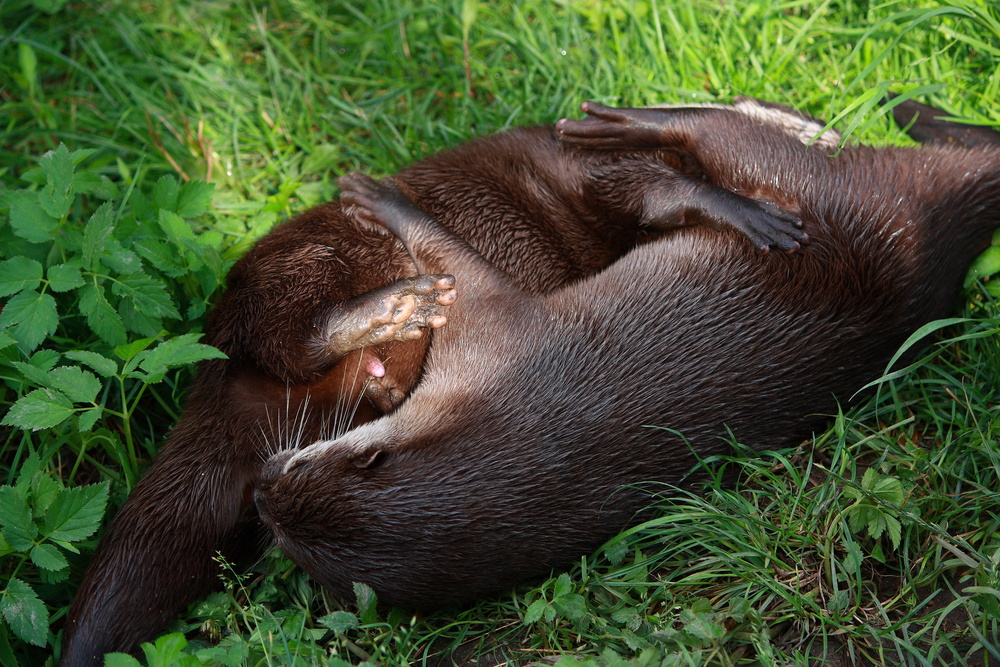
x: 64, y: 277
x: 129, y: 352
x: 44, y: 490
x: 167, y: 649
x: 88, y: 418
x: 367, y: 602
x: 31, y: 317
x: 15, y: 519
x: 48, y: 557
x: 148, y: 296
x: 32, y: 373
x: 194, y: 198
x: 6, y: 340
x: 76, y: 513
x: 104, y: 366
x: 175, y: 227
x: 121, y: 259
x: 178, y: 351
x: 534, y: 612
x: 19, y: 273
x: 87, y: 182
x: 340, y: 621
x: 79, y: 385
x: 165, y: 193
x: 25, y: 614
x: 96, y: 235
x: 101, y: 317
x: 42, y: 408
x: 28, y: 219
x: 57, y: 196
x: 120, y: 660
x: 161, y: 255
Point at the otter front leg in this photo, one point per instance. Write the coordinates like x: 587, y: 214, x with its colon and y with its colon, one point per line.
x: 404, y: 310
x: 400, y: 311
x: 433, y: 249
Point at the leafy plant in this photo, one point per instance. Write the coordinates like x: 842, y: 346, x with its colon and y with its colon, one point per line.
x: 40, y: 520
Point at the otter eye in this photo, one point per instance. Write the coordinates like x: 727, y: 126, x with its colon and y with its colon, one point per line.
x: 369, y: 460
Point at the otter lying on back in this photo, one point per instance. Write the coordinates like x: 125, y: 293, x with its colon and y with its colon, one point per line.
x: 522, y: 447
x: 322, y: 322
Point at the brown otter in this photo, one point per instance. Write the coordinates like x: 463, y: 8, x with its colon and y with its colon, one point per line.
x: 523, y: 446
x: 323, y: 311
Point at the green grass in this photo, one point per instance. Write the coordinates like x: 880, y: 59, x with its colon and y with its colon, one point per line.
x: 807, y: 557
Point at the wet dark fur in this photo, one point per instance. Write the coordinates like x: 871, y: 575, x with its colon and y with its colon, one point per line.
x: 545, y: 213
x: 515, y: 451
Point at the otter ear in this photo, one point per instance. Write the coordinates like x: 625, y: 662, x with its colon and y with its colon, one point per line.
x: 369, y: 459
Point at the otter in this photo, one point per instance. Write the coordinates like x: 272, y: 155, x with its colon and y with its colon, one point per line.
x: 324, y: 323
x: 527, y: 444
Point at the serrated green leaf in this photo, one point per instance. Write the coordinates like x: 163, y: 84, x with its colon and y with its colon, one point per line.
x: 563, y: 585
x: 25, y: 614
x: 175, y: 227
x: 194, y: 198
x: 178, y: 351
x: 147, y: 295
x: 96, y: 235
x: 29, y: 220
x: 44, y: 490
x: 101, y: 317
x: 165, y: 193
x: 79, y: 385
x: 33, y: 374
x: 572, y: 606
x: 64, y: 277
x: 987, y: 264
x: 895, y: 531
x: 162, y: 255
x: 120, y: 660
x: 703, y: 626
x: 57, y: 195
x: 19, y: 273
x: 15, y: 519
x: 45, y: 359
x: 340, y: 621
x: 48, y: 557
x: 534, y: 612
x: 88, y: 418
x: 130, y: 351
x: 121, y: 259
x: 31, y: 317
x: 41, y: 408
x: 104, y: 366
x: 166, y: 650
x: 6, y: 340
x: 87, y: 182
x: 367, y: 602
x: 76, y: 513
x: 137, y: 322
x: 30, y: 467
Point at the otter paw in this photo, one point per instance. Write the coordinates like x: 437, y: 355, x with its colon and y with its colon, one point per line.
x: 768, y: 226
x: 610, y: 128
x: 403, y: 310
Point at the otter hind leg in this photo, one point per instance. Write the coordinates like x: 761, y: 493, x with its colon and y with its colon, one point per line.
x: 433, y: 248
x: 674, y: 199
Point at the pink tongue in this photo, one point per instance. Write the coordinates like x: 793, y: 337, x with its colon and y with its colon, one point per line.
x: 373, y: 365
